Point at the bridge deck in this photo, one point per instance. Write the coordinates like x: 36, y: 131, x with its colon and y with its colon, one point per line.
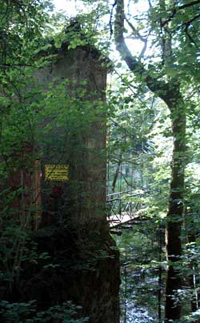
x: 125, y: 218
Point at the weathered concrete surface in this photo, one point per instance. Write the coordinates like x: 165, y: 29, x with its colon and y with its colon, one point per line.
x: 88, y: 156
x: 88, y: 271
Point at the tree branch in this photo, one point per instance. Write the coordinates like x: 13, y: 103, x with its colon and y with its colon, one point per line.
x: 190, y: 4
x: 175, y: 10
x: 111, y: 17
x: 187, y: 25
x: 158, y: 87
x: 135, y: 31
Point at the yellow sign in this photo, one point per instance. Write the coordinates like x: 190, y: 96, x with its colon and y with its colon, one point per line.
x: 56, y: 172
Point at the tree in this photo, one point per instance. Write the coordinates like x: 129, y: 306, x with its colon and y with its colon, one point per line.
x: 166, y: 82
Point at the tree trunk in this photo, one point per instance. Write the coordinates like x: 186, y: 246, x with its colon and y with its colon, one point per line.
x: 116, y: 173
x: 193, y: 278
x: 175, y: 213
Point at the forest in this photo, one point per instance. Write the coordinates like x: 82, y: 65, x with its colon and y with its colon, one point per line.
x: 99, y: 161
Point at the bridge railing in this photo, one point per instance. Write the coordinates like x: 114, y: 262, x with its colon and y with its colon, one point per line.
x: 126, y: 202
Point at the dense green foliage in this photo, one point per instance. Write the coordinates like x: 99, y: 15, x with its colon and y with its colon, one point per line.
x: 140, y: 139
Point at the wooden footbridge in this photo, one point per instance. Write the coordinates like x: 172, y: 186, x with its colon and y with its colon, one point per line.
x: 126, y: 208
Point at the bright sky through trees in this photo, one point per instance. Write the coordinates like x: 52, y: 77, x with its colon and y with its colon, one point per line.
x: 70, y: 7
x: 73, y: 7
